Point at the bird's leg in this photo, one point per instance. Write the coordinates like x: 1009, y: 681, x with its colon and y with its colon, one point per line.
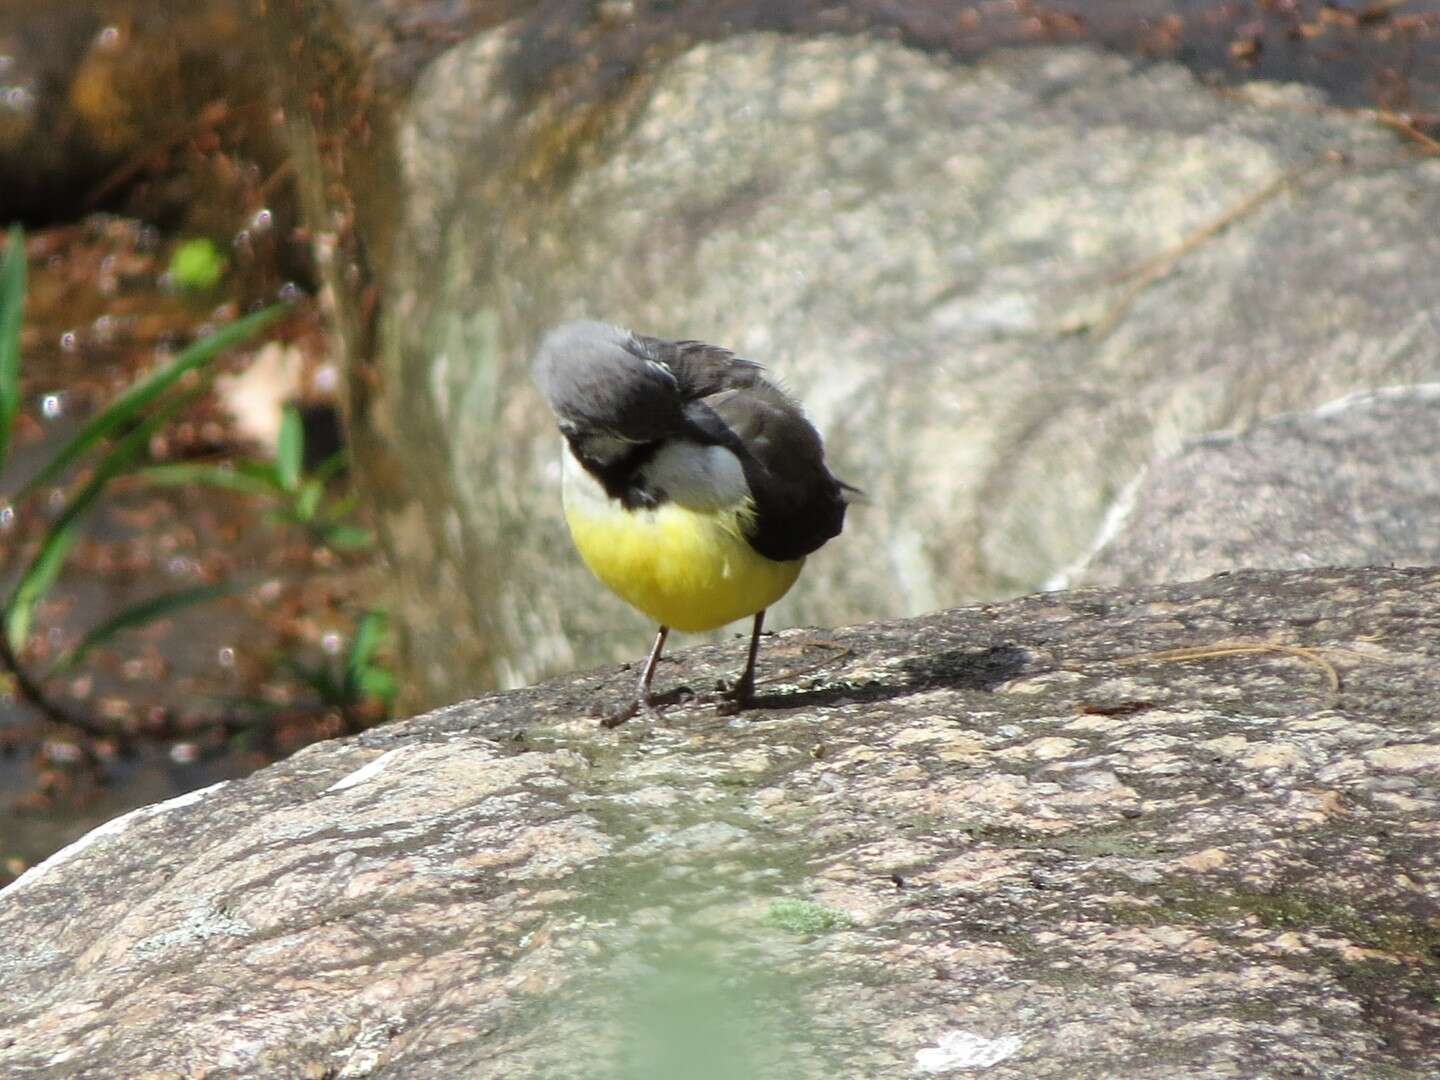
x: 643, y: 700
x: 743, y: 692
x: 648, y: 676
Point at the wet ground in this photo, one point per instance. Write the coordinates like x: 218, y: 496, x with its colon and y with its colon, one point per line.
x: 205, y: 694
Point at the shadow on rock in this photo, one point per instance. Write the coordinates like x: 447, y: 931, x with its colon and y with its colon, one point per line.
x: 957, y: 669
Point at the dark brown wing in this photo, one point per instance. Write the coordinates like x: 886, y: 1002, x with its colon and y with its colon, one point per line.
x: 701, y: 369
x: 798, y: 504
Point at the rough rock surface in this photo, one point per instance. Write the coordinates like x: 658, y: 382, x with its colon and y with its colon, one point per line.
x: 1354, y: 483
x: 995, y: 839
x: 954, y: 265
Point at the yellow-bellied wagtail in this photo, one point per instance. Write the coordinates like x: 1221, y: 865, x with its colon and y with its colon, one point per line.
x: 693, y: 487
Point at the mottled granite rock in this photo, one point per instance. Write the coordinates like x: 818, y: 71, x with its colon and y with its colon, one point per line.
x: 992, y: 839
x: 953, y: 265
x: 1353, y: 483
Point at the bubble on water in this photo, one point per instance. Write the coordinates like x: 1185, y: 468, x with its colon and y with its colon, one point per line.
x: 290, y: 292
x: 108, y: 37
x: 63, y: 753
x: 52, y: 406
x: 68, y: 341
x: 262, y: 220
x: 326, y: 379
x: 331, y: 643
x: 184, y: 753
x: 18, y: 99
x: 226, y: 656
x: 7, y: 517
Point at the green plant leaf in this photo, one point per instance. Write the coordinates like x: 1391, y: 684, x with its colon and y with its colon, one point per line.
x: 12, y: 307
x: 239, y: 702
x: 126, y: 408
x: 339, y: 509
x: 362, y: 678
x: 261, y: 470
x: 348, y: 537
x: 290, y: 449
x: 307, y: 500
x: 378, y: 683
x: 330, y: 467
x: 369, y: 633
x: 197, y: 264
x: 318, y: 678
x: 137, y: 615
x: 182, y: 473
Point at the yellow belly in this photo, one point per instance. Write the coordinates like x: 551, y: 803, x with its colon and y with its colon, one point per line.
x: 685, y: 569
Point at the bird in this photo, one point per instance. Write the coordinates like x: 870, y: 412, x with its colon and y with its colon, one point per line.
x: 693, y: 486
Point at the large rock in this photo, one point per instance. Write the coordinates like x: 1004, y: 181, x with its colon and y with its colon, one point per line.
x: 994, y: 836
x: 1354, y: 483
x: 934, y: 255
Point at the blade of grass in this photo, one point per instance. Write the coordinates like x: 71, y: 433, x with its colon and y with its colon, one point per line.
x: 341, y: 508
x: 369, y: 633
x: 127, y: 407
x: 12, y: 306
x: 261, y: 470
x: 212, y: 476
x: 146, y: 611
x: 255, y: 704
x: 377, y: 683
x: 40, y: 575
x: 307, y: 500
x: 330, y: 467
x: 347, y: 538
x: 290, y: 448
x: 318, y: 677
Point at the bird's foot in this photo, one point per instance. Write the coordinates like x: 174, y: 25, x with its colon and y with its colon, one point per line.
x: 736, y: 697
x: 615, y: 717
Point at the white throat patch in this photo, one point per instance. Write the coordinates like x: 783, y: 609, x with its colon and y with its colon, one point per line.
x: 697, y: 477
x: 701, y: 478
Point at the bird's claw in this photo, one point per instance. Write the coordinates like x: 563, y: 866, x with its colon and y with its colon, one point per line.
x: 735, y: 698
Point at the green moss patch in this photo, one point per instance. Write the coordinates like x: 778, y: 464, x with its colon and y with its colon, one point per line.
x: 806, y: 917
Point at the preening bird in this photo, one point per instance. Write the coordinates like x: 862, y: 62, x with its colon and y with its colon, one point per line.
x: 693, y: 487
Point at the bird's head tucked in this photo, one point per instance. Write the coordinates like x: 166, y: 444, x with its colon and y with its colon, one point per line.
x: 605, y: 392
